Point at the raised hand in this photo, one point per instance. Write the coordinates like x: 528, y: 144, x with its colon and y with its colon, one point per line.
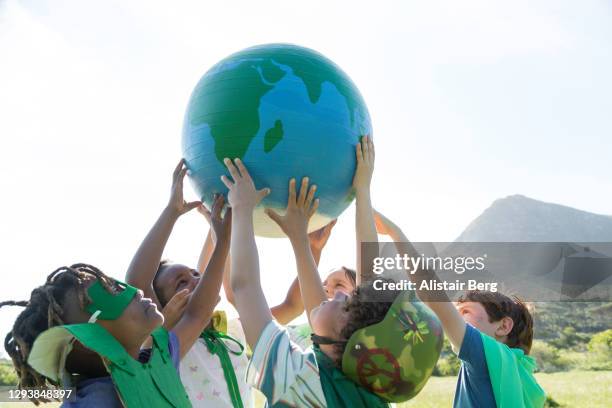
x: 365, y: 164
x: 221, y: 226
x: 242, y: 192
x: 319, y: 238
x: 384, y: 225
x: 299, y: 210
x: 177, y: 203
x: 173, y: 311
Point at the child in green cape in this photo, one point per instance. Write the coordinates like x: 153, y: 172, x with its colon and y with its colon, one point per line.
x: 82, y: 325
x: 492, y: 334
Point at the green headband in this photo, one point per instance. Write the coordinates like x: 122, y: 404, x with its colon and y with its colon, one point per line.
x: 110, y: 306
x: 395, y: 357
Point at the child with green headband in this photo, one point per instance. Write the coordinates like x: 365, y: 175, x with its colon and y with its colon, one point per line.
x: 492, y: 334
x: 87, y: 330
x: 344, y: 368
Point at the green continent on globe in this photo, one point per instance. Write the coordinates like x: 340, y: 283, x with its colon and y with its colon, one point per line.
x: 235, y: 110
x: 273, y: 136
x: 232, y: 114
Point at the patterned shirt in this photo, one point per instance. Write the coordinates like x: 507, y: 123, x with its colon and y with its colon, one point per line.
x: 203, y: 378
x: 285, y: 373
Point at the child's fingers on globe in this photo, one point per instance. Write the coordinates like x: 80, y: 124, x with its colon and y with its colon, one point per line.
x: 365, y: 147
x: 227, y: 182
x: 314, y: 208
x: 310, y: 197
x: 178, y: 168
x: 215, y: 207
x: 232, y: 169
x: 358, y: 152
x: 242, y: 168
x: 181, y: 176
x: 303, y: 191
x: 291, y: 200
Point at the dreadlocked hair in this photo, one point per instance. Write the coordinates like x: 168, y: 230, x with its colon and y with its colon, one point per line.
x: 45, y: 310
x: 366, y: 306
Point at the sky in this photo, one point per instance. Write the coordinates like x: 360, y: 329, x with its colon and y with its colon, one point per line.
x: 470, y: 102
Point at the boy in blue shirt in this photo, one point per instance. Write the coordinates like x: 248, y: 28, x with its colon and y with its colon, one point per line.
x: 492, y: 333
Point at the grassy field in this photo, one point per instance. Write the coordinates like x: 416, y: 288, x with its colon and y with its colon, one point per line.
x: 570, y: 389
x: 591, y: 389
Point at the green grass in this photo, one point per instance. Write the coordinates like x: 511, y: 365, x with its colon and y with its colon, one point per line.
x: 591, y: 389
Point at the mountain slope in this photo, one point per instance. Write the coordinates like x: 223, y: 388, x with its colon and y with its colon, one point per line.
x: 521, y: 219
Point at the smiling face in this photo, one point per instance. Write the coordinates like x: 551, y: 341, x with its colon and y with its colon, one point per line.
x: 338, y: 281
x: 172, y: 278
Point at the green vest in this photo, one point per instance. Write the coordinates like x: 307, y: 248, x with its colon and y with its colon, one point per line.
x: 152, y: 384
x: 339, y: 390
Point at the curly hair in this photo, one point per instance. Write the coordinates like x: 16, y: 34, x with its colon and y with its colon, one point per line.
x: 499, y: 306
x: 44, y: 310
x: 367, y: 306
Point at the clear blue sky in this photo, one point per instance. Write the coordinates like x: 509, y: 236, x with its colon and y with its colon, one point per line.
x: 471, y: 101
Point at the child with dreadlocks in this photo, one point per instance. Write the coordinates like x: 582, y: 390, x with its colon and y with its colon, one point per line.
x: 85, y: 329
x: 362, y: 356
x: 492, y: 334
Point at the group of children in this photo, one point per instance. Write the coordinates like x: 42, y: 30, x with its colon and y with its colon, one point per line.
x: 156, y: 339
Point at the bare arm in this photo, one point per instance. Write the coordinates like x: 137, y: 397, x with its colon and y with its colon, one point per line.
x: 295, y: 224
x: 203, y: 300
x: 206, y: 252
x: 293, y: 306
x: 364, y: 221
x: 452, y: 322
x: 145, y: 262
x: 244, y: 275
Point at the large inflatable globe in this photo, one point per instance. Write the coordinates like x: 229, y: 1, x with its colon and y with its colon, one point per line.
x: 286, y: 111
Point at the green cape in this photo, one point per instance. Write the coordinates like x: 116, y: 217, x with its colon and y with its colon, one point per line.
x: 152, y: 384
x: 511, y: 373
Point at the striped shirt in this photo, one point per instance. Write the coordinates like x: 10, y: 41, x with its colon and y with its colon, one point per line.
x: 285, y: 373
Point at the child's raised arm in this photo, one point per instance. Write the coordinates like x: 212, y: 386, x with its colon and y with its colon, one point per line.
x: 292, y: 306
x: 145, y: 262
x: 295, y: 224
x: 364, y: 221
x: 203, y: 299
x: 452, y: 322
x: 244, y: 275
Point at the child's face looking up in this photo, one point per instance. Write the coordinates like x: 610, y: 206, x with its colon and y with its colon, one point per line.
x: 139, y: 318
x: 337, y: 281
x: 173, y: 278
x: 329, y: 317
x: 475, y: 314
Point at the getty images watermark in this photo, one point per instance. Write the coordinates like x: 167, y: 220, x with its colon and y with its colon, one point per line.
x: 542, y: 271
x: 411, y: 265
